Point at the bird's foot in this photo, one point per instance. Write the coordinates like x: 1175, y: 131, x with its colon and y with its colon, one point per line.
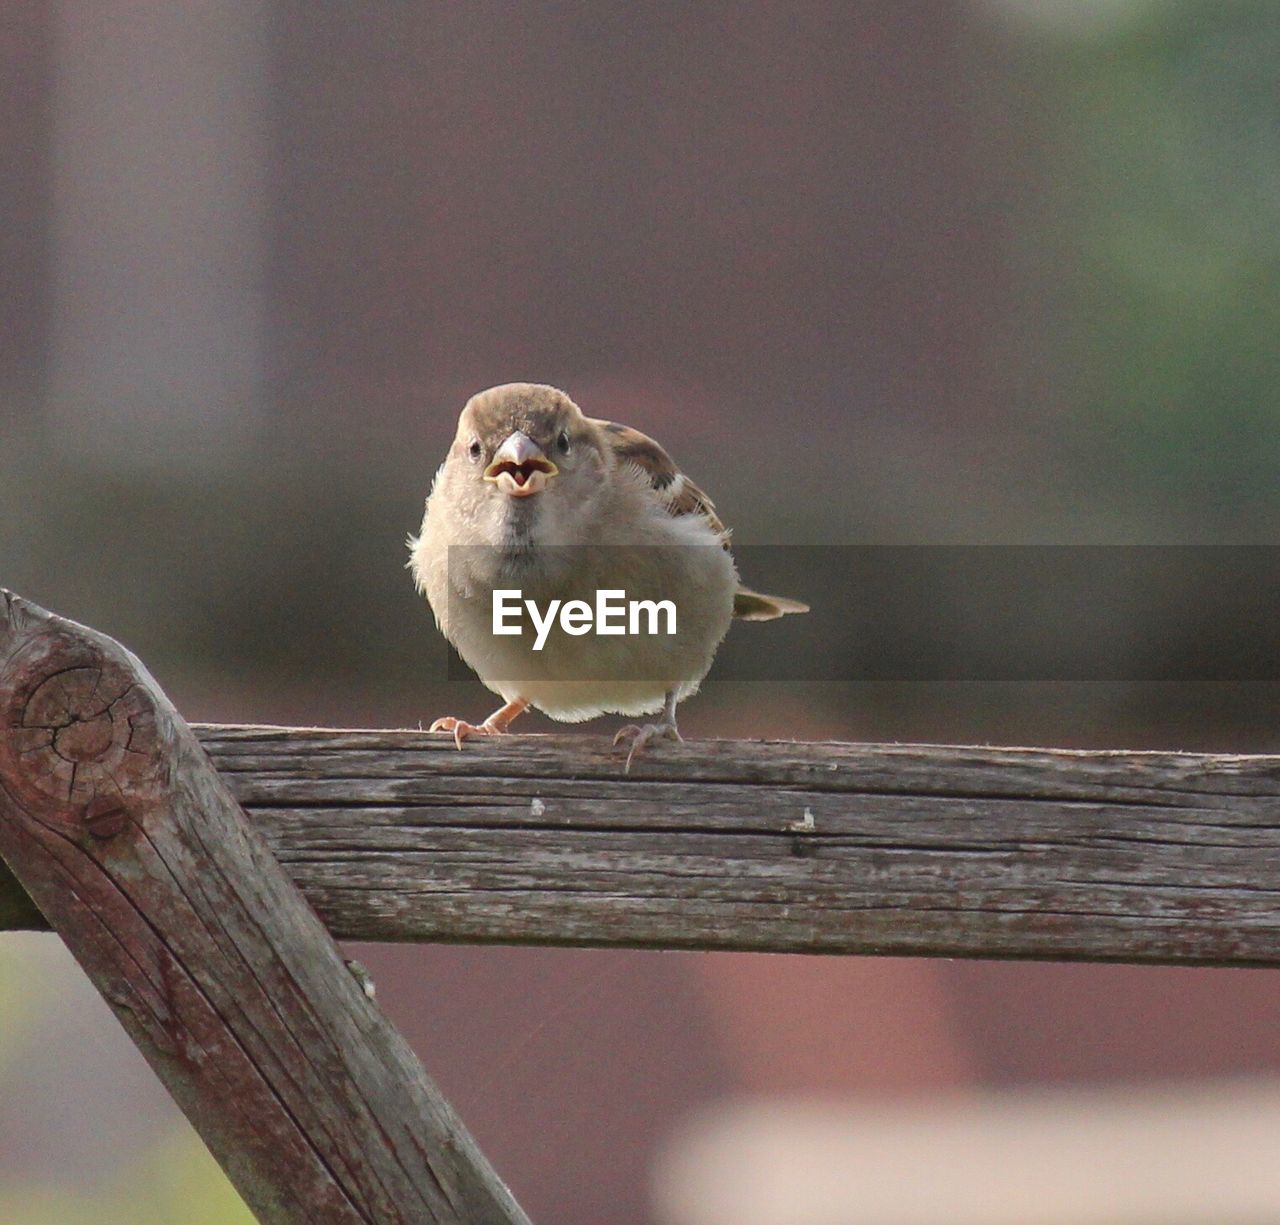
x: 641, y: 736
x: 494, y: 725
x: 461, y: 729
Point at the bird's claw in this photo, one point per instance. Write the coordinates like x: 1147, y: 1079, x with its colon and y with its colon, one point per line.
x: 643, y: 736
x: 461, y: 729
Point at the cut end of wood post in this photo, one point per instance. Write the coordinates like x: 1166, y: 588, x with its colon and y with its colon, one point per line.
x: 78, y: 731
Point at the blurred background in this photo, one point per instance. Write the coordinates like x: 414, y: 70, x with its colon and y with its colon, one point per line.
x: 938, y: 272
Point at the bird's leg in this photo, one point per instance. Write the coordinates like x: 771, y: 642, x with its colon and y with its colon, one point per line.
x: 494, y: 725
x: 643, y: 736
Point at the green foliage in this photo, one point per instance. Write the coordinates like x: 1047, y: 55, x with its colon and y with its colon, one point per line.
x: 176, y: 1181
x: 1161, y: 226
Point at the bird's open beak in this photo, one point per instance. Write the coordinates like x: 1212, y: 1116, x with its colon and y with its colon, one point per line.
x: 519, y: 467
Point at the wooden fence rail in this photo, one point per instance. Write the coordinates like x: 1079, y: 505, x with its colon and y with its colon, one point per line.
x: 818, y: 848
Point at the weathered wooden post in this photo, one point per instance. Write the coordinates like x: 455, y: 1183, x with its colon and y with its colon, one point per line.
x: 123, y: 834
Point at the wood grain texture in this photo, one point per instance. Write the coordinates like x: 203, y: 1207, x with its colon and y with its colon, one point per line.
x: 948, y: 851
x: 116, y: 824
x: 915, y: 849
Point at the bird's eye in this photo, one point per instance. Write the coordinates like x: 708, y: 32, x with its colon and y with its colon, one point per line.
x: 562, y: 443
x: 475, y: 450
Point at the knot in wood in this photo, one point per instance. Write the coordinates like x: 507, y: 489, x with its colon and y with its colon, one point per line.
x: 105, y: 817
x: 77, y: 731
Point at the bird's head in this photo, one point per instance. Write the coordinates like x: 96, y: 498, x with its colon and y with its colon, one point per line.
x: 527, y: 450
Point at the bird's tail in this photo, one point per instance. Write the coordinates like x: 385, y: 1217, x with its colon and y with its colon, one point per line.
x: 751, y: 605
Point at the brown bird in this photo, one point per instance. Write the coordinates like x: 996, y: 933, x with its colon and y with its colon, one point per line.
x: 536, y: 498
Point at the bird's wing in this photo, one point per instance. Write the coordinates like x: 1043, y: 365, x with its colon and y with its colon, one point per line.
x: 675, y: 491
x: 680, y: 496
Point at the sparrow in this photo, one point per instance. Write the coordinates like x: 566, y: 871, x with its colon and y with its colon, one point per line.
x: 537, y: 498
